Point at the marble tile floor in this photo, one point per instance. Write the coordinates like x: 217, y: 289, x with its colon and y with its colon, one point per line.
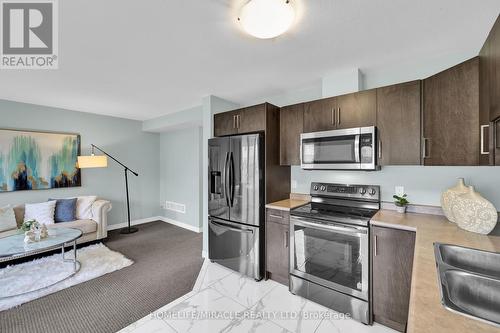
x: 225, y: 301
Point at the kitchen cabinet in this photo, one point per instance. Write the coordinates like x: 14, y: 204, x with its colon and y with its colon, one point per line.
x: 451, y: 116
x: 493, y: 57
x: 489, y: 97
x: 392, y: 263
x: 357, y: 109
x: 398, y: 124
x: 246, y: 120
x: 320, y: 115
x: 277, y: 245
x: 352, y: 110
x: 251, y: 119
x: 225, y: 124
x: 291, y: 126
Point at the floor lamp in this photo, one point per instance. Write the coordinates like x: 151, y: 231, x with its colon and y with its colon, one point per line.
x: 101, y: 161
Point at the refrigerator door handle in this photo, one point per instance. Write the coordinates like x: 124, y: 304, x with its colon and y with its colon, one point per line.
x: 231, y: 175
x: 226, y: 178
x: 222, y: 225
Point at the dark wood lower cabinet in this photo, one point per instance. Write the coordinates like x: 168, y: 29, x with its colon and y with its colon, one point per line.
x: 392, y: 263
x: 277, y: 242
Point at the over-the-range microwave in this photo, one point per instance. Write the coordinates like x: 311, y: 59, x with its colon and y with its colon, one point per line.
x: 344, y: 149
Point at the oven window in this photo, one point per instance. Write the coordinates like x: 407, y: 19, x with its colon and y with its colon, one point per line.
x: 329, y: 150
x: 330, y: 256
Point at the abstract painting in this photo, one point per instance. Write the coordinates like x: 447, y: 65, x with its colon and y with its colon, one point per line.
x: 38, y: 160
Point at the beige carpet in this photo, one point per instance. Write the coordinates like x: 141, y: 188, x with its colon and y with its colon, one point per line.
x: 167, y: 260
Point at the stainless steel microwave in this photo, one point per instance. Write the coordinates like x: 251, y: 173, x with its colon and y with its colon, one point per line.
x: 344, y: 149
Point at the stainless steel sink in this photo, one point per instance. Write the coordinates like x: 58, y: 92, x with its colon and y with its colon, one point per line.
x: 469, y: 281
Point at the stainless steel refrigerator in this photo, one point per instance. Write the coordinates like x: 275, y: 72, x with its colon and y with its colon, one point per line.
x: 236, y: 203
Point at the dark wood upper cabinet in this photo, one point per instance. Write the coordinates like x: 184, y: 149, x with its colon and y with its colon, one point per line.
x: 489, y: 97
x: 451, y: 116
x: 251, y: 119
x: 357, y: 109
x: 225, y: 124
x: 392, y: 263
x: 291, y: 126
x: 320, y: 115
x: 398, y: 124
x: 245, y: 120
x: 493, y: 63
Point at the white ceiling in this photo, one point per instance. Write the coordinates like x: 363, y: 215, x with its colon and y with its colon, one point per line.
x: 142, y: 59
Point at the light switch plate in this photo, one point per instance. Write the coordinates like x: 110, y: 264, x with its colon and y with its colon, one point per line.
x: 294, y: 184
x: 399, y: 190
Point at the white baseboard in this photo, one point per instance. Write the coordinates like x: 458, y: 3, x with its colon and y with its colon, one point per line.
x: 181, y: 224
x: 134, y: 222
x: 155, y: 218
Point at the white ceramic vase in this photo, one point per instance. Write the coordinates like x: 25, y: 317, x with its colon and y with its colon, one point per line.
x: 474, y: 213
x: 449, y: 197
x: 401, y: 209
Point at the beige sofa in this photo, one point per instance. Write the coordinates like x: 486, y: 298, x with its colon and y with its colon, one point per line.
x: 94, y: 229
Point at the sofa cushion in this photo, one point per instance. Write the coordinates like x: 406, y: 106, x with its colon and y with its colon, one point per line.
x: 84, y: 207
x: 42, y: 212
x: 86, y: 226
x: 65, y: 210
x: 7, y: 219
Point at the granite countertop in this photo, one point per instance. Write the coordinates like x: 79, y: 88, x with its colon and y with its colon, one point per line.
x: 426, y: 313
x: 287, y: 204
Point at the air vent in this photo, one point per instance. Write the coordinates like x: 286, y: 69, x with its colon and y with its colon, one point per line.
x: 176, y: 207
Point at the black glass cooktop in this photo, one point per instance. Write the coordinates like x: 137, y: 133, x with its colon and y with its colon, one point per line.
x: 333, y: 213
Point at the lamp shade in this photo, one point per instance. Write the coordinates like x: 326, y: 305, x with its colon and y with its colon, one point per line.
x: 92, y: 161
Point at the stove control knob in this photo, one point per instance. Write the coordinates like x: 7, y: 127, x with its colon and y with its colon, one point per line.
x: 372, y: 191
x: 316, y: 187
x: 323, y: 187
x: 362, y: 190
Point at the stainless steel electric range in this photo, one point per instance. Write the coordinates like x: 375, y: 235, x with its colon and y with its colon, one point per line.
x: 329, y: 252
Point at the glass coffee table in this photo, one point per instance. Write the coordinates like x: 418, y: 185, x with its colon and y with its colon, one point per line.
x: 13, y: 247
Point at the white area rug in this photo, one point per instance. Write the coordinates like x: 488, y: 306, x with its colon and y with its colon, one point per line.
x: 96, y: 260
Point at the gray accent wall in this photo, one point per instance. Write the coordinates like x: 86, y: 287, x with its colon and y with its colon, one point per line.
x: 122, y: 138
x: 181, y: 174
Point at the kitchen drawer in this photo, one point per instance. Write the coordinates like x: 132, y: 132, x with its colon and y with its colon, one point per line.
x: 278, y: 216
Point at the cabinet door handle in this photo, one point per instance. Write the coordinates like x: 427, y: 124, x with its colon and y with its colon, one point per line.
x: 285, y: 240
x: 424, y: 148
x: 375, y: 247
x: 333, y: 116
x: 338, y: 116
x: 483, y: 151
x: 234, y: 121
x: 379, y: 149
x: 275, y: 216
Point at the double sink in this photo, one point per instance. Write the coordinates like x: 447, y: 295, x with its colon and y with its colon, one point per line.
x: 469, y: 281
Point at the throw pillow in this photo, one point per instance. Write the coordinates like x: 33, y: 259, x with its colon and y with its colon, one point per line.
x: 84, y: 207
x: 41, y: 212
x: 65, y: 210
x: 7, y: 219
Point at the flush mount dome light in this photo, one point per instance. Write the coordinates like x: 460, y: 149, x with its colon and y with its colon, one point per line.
x: 266, y: 18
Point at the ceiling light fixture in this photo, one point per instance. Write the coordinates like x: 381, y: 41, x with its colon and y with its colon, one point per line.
x: 266, y: 18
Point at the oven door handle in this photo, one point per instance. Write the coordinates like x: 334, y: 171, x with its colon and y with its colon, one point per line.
x: 357, y: 156
x: 350, y: 230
